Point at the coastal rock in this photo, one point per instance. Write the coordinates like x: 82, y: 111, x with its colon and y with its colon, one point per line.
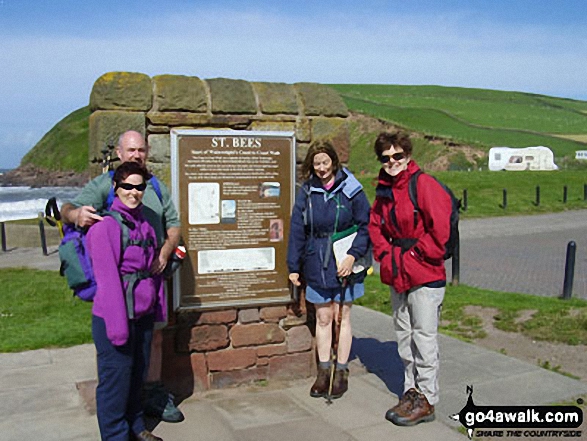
x: 31, y: 176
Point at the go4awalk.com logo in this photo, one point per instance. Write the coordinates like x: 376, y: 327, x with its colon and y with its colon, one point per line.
x: 519, y: 421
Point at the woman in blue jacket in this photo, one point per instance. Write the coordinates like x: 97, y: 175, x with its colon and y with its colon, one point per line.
x: 331, y: 200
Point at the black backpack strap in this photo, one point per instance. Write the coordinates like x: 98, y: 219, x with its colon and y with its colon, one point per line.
x: 413, y: 192
x: 132, y: 279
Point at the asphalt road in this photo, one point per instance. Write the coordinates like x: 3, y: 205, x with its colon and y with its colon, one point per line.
x: 524, y: 254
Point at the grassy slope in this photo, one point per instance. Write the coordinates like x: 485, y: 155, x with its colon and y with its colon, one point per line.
x: 477, y: 117
x: 65, y: 146
x: 482, y: 118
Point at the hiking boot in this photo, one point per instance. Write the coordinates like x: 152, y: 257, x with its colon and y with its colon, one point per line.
x: 320, y: 387
x: 418, y: 411
x: 145, y: 435
x: 408, y: 397
x: 341, y: 383
x: 158, y: 403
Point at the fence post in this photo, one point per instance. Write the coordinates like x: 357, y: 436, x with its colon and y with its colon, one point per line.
x: 585, y: 192
x: 569, y: 270
x: 456, y: 262
x: 505, y: 199
x: 42, y: 232
x: 565, y: 194
x: 3, y: 232
x: 465, y: 200
x: 538, y: 195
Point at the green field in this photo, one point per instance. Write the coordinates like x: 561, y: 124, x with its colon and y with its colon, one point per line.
x: 485, y: 191
x: 481, y: 118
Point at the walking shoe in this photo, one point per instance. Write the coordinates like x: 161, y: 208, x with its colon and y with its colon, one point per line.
x: 407, y: 397
x: 145, y: 435
x: 158, y: 403
x: 320, y: 387
x: 418, y: 411
x: 341, y: 383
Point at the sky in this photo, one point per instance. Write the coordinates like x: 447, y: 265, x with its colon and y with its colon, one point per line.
x: 52, y: 52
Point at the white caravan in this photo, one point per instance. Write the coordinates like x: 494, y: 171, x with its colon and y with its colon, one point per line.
x: 529, y: 158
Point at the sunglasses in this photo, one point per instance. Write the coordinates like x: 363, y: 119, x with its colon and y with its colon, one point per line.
x: 127, y: 186
x: 384, y: 159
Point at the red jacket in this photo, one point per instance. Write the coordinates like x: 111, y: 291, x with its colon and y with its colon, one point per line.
x: 392, y: 219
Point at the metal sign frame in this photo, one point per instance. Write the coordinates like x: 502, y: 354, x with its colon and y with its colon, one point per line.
x: 200, y: 206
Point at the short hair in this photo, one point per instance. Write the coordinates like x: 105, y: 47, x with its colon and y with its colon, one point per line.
x: 128, y: 168
x: 125, y: 135
x: 315, y: 149
x: 386, y: 140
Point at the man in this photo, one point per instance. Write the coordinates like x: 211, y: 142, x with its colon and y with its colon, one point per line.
x: 162, y: 215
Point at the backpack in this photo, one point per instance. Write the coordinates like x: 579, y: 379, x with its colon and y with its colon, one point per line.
x: 453, y: 239
x: 76, y: 265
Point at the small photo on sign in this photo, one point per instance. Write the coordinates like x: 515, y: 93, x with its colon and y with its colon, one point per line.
x: 228, y: 211
x: 276, y: 230
x: 269, y: 189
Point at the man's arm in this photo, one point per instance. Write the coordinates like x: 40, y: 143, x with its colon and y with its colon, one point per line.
x: 82, y: 210
x: 83, y: 216
x: 171, y: 242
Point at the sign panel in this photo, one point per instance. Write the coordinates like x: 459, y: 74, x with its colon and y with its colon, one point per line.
x: 234, y: 191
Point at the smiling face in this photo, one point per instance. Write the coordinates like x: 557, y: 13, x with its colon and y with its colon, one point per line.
x: 131, y: 196
x: 323, y: 167
x: 396, y: 161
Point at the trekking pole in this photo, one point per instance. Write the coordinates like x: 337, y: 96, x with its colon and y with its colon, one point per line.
x: 334, y: 353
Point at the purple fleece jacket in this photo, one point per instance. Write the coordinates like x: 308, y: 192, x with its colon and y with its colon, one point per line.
x: 104, y: 245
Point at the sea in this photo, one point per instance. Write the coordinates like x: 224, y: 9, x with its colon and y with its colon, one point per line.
x: 26, y: 202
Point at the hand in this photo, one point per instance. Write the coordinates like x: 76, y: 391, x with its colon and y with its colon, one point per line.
x: 159, y: 264
x: 86, y: 216
x: 346, y: 266
x: 295, y: 279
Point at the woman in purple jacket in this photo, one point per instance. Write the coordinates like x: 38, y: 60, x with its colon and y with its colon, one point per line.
x: 127, y: 302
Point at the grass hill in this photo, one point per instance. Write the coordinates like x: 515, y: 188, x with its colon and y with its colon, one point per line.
x: 452, y: 127
x: 475, y: 117
x: 64, y: 147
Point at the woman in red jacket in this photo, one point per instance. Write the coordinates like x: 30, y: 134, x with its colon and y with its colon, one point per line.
x: 410, y: 245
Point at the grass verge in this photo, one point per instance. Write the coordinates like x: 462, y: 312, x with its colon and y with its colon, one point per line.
x: 37, y: 310
x: 555, y: 320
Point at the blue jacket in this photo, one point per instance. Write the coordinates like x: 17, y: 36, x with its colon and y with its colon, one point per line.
x: 313, y: 220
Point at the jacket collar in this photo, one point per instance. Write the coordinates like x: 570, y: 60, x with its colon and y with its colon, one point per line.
x: 344, y: 181
x: 129, y: 213
x: 400, y: 180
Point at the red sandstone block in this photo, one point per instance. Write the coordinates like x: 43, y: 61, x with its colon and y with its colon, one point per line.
x: 256, y: 334
x: 272, y: 314
x: 209, y: 338
x: 299, y: 339
x: 221, y: 380
x: 291, y: 366
x: 200, y: 372
x: 231, y: 359
x: 271, y: 350
x: 248, y: 316
x: 216, y: 317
